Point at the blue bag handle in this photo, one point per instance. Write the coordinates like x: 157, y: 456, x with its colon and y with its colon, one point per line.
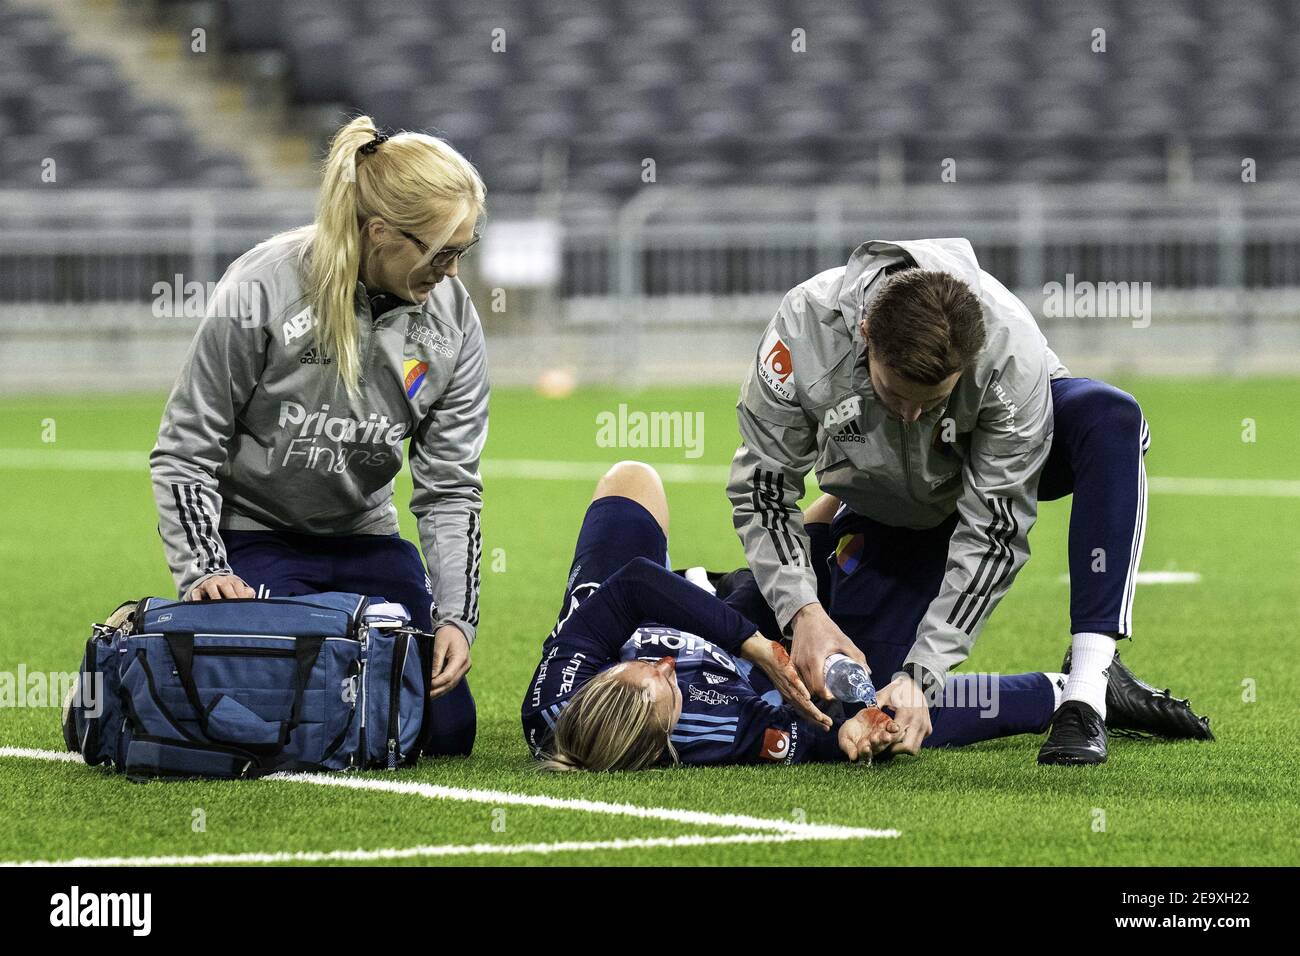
x: 305, y: 651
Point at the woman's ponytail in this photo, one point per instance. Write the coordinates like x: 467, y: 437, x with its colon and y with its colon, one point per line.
x: 336, y: 251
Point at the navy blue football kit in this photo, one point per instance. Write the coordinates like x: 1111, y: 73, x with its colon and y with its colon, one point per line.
x: 621, y: 603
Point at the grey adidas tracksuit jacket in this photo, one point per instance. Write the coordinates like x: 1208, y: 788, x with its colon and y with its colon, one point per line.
x: 260, y: 432
x: 807, y: 403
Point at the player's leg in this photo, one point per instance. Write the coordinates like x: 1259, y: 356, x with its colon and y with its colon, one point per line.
x: 1100, y: 438
x: 739, y: 588
x: 627, y: 519
x: 977, y: 707
x: 639, y: 482
x: 875, y: 581
x: 882, y: 581
x: 391, y: 567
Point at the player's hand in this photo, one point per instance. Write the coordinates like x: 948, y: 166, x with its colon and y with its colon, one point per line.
x: 817, y: 637
x: 220, y: 586
x: 450, y: 659
x: 868, y: 732
x: 775, y: 663
x: 908, y: 702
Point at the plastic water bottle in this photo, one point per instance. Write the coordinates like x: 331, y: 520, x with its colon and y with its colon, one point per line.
x: 847, y: 680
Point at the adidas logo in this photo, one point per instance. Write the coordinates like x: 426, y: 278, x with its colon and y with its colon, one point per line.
x: 714, y: 678
x: 850, y: 432
x: 313, y: 357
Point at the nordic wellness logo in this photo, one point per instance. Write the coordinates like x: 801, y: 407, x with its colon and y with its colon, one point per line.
x: 1098, y: 300
x: 75, y: 909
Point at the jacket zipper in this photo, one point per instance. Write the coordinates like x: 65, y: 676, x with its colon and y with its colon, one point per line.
x: 394, y: 703
x: 370, y: 347
x: 907, y: 458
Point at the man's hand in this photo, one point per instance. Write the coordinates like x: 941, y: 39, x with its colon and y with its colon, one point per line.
x: 220, y: 586
x: 450, y: 659
x: 776, y: 664
x: 867, y: 733
x: 906, y: 698
x: 817, y: 637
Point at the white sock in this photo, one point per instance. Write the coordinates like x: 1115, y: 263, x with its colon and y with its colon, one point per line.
x: 1058, y: 688
x: 700, y: 578
x: 1090, y: 655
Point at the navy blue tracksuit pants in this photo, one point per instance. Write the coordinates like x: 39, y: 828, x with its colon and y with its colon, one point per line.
x: 284, y: 563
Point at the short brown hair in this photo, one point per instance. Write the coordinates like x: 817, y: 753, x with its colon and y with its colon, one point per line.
x: 925, y: 325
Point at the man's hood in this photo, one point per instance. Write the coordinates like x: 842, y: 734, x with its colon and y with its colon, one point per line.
x: 953, y: 256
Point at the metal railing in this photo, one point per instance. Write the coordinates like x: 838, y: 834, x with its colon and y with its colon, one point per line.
x: 689, y: 259
x: 74, y: 246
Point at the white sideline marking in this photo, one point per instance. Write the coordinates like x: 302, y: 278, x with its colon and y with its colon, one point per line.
x: 404, y: 853
x: 40, y: 754
x: 435, y: 792
x: 1157, y: 577
x: 1226, y: 487
x: 537, y: 469
x: 775, y: 830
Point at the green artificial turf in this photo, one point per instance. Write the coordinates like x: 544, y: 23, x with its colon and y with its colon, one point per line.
x: 75, y: 540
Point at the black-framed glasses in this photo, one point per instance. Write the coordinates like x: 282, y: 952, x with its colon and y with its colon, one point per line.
x: 443, y: 257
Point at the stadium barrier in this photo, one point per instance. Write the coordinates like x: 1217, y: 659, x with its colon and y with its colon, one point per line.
x: 104, y: 288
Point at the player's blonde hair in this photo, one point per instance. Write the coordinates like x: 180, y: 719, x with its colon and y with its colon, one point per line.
x: 412, y: 181
x: 609, y: 724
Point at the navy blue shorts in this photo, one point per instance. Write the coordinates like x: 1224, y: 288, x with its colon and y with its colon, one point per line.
x: 283, y: 563
x: 615, y: 530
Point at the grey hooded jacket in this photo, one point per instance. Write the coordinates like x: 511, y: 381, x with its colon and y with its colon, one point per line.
x: 807, y: 402
x: 259, y: 431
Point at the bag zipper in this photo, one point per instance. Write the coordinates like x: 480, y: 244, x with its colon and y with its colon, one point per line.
x: 243, y: 651
x: 395, y: 702
x: 364, y: 701
x: 353, y: 619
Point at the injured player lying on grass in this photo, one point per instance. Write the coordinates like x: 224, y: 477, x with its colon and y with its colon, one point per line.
x: 646, y: 668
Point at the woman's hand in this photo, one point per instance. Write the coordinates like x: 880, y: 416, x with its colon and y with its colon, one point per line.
x: 450, y: 659
x: 776, y: 664
x: 906, y: 699
x: 220, y: 586
x: 867, y: 733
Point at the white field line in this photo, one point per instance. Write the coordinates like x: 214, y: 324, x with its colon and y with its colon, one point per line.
x: 536, y: 469
x: 501, y: 797
x: 40, y: 754
x: 1157, y: 577
x: 406, y: 853
x: 773, y: 830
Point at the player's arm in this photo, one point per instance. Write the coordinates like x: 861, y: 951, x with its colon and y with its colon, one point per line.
x: 643, y: 591
x: 779, y: 734
x: 997, y: 509
x: 223, y: 365
x: 447, y: 501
